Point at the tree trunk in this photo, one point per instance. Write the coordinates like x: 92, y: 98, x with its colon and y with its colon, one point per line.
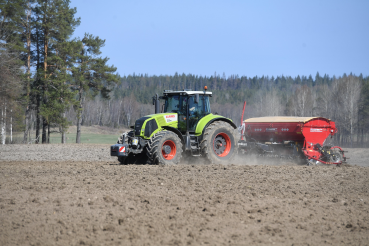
x: 79, y: 117
x: 28, y: 86
x: 32, y: 125
x: 48, y: 133
x: 45, y: 122
x: 44, y: 132
x: 11, y: 126
x: 63, y: 132
x: 38, y: 119
x: 38, y: 105
x: 362, y: 137
x: 3, y: 125
x: 79, y: 121
x: 26, y: 123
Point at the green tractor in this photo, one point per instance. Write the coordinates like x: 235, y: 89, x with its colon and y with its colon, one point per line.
x: 185, y: 126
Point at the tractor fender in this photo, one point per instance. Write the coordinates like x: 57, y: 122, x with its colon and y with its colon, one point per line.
x: 207, y: 120
x: 213, y: 120
x: 176, y: 131
x: 220, y: 119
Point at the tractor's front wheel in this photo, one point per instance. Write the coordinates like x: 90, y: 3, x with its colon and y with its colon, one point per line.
x: 133, y: 159
x: 123, y: 160
x: 219, y: 142
x: 165, y: 148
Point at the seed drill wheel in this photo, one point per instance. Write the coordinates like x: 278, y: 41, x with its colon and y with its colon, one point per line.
x: 336, y: 155
x: 164, y: 148
x: 219, y: 142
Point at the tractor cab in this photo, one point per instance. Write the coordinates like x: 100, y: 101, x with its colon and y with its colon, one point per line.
x: 190, y: 106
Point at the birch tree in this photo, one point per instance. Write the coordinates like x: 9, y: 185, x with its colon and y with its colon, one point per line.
x: 129, y: 106
x: 303, y: 101
x: 10, y: 84
x: 349, y: 96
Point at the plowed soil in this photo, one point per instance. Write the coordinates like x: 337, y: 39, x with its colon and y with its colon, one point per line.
x: 79, y: 195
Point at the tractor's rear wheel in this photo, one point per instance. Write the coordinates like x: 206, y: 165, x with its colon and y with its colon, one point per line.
x: 164, y: 148
x: 219, y: 142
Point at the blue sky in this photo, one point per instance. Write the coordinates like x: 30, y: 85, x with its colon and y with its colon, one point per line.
x: 247, y: 38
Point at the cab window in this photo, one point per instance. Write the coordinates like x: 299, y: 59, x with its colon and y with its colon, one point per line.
x: 171, y: 104
x: 201, y: 108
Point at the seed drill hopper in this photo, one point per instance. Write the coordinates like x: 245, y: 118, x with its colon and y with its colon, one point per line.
x: 291, y: 137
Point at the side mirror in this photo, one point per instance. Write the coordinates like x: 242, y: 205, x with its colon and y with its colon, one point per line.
x: 197, y: 98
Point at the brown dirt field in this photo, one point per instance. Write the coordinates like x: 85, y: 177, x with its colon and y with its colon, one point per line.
x: 79, y: 195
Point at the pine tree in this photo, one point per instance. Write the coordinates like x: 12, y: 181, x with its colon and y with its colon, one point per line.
x: 57, y: 24
x: 90, y: 73
x: 318, y: 79
x: 60, y: 97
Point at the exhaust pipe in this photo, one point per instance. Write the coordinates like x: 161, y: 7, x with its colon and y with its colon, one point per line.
x: 156, y: 102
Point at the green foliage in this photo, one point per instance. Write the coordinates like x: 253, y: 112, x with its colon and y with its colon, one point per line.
x: 90, y: 72
x: 55, y: 24
x: 39, y: 31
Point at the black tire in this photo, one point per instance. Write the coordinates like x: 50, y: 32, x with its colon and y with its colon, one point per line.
x: 219, y: 142
x: 122, y: 160
x: 335, y: 156
x: 156, y: 152
x: 133, y: 159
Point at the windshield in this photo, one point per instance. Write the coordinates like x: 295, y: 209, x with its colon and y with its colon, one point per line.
x: 177, y: 104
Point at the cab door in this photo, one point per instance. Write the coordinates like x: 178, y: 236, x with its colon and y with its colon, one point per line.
x: 182, y: 114
x: 197, y: 110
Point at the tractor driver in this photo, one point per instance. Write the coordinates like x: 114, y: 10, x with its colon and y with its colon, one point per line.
x: 192, y: 106
x: 193, y: 113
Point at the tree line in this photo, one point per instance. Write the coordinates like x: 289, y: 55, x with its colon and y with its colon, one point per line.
x: 49, y: 81
x: 343, y: 99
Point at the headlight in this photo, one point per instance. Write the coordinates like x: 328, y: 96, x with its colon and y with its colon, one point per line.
x: 134, y: 142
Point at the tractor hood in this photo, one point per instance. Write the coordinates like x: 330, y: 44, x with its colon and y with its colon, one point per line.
x: 149, y: 124
x: 166, y: 119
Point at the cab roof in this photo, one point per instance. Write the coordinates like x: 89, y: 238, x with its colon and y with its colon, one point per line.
x: 188, y: 92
